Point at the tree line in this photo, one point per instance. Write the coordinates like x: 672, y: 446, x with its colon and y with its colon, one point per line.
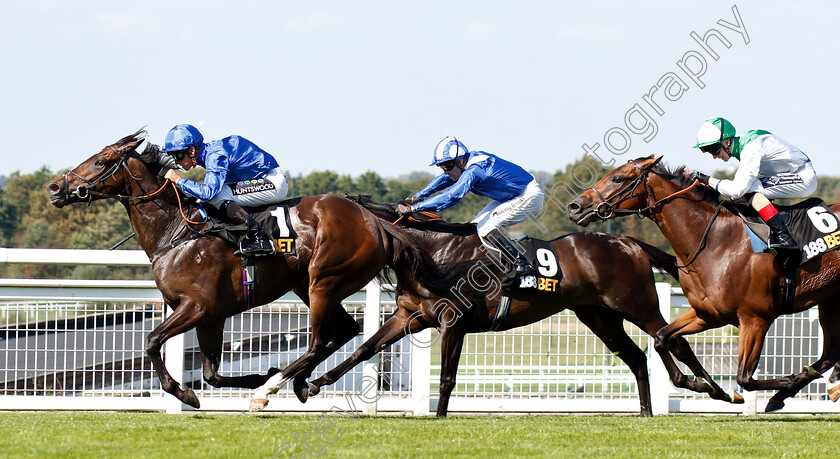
x: 28, y: 220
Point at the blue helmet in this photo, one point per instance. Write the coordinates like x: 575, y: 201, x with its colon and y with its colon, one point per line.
x: 448, y: 149
x: 182, y: 137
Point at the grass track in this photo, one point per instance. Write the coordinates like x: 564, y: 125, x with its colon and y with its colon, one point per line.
x: 75, y: 434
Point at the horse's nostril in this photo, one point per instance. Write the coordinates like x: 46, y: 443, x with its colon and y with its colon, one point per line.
x: 53, y: 188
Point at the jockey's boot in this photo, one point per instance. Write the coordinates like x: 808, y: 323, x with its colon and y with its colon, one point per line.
x: 522, y: 267
x: 255, y: 242
x: 780, y: 238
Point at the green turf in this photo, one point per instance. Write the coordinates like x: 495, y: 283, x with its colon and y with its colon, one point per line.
x: 73, y: 434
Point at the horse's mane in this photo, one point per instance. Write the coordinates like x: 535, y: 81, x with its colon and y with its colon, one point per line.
x: 158, y: 162
x: 683, y: 179
x: 390, y: 208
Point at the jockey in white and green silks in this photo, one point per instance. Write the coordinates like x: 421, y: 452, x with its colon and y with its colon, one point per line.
x: 769, y: 167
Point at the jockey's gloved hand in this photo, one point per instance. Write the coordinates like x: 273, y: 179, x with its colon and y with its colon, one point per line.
x: 403, y: 209
x: 703, y: 178
x: 412, y: 200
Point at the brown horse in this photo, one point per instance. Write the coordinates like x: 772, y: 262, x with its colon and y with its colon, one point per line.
x: 606, y: 279
x: 340, y: 248
x: 724, y: 280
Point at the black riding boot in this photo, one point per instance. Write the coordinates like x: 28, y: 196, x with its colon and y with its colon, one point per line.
x: 255, y: 242
x: 780, y: 238
x: 523, y: 268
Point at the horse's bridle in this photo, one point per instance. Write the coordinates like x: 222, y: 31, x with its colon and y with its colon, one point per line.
x: 648, y: 211
x: 88, y: 192
x: 607, y: 208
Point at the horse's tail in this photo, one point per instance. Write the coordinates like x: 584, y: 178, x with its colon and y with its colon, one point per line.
x: 659, y: 259
x: 416, y: 271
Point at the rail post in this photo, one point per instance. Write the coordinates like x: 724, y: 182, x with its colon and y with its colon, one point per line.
x: 369, y: 390
x: 660, y: 382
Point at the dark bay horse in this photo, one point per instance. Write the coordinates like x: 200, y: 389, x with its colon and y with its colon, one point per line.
x: 340, y: 248
x: 606, y: 279
x: 727, y: 283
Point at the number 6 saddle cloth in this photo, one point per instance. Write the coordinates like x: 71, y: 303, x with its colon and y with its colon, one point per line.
x: 811, y: 223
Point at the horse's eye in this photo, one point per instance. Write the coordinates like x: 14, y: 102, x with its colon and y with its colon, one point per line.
x: 99, y: 162
x: 618, y: 179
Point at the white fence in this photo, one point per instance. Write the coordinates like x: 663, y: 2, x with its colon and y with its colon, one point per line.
x: 73, y: 344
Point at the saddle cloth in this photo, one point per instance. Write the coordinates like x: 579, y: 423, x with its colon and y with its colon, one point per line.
x: 274, y: 220
x: 811, y: 223
x: 547, y: 273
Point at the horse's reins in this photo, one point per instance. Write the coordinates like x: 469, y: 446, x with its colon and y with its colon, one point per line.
x: 432, y: 217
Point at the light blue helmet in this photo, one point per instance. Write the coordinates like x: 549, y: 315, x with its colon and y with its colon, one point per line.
x: 182, y: 137
x: 448, y: 149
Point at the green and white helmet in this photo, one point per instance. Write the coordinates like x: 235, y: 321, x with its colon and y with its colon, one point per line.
x: 714, y: 130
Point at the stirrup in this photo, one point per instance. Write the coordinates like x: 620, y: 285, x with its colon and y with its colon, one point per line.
x: 523, y: 268
x: 779, y: 243
x: 256, y: 248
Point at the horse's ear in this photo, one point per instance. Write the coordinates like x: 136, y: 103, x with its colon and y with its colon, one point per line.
x: 657, y: 159
x: 648, y: 162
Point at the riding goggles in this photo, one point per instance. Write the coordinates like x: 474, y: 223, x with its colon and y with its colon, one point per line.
x: 178, y: 155
x: 447, y: 166
x: 711, y: 149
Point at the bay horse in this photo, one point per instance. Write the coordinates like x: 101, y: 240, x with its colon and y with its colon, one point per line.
x: 606, y: 279
x: 339, y: 249
x: 724, y: 280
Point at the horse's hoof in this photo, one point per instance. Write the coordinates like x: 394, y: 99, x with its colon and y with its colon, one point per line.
x: 834, y: 393
x: 313, y: 390
x: 257, y: 404
x: 301, y: 391
x: 774, y: 405
x: 189, y: 397
x: 812, y: 373
x: 735, y: 397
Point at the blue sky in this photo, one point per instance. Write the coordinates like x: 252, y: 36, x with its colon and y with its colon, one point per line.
x: 373, y: 85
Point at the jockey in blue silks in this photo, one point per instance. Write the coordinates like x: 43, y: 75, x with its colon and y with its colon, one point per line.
x: 515, y: 194
x: 239, y: 173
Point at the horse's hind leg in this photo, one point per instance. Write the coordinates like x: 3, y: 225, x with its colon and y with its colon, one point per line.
x: 344, y: 328
x: 829, y: 314
x: 452, y: 342
x: 181, y: 320
x: 609, y: 327
x: 834, y: 389
x: 396, y: 327
x: 326, y: 317
x: 210, y: 340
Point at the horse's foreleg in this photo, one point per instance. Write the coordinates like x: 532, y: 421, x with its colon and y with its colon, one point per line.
x: 210, y: 340
x: 670, y: 338
x: 395, y: 328
x: 452, y: 342
x: 609, y: 327
x: 680, y: 348
x: 181, y: 320
x: 829, y: 315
